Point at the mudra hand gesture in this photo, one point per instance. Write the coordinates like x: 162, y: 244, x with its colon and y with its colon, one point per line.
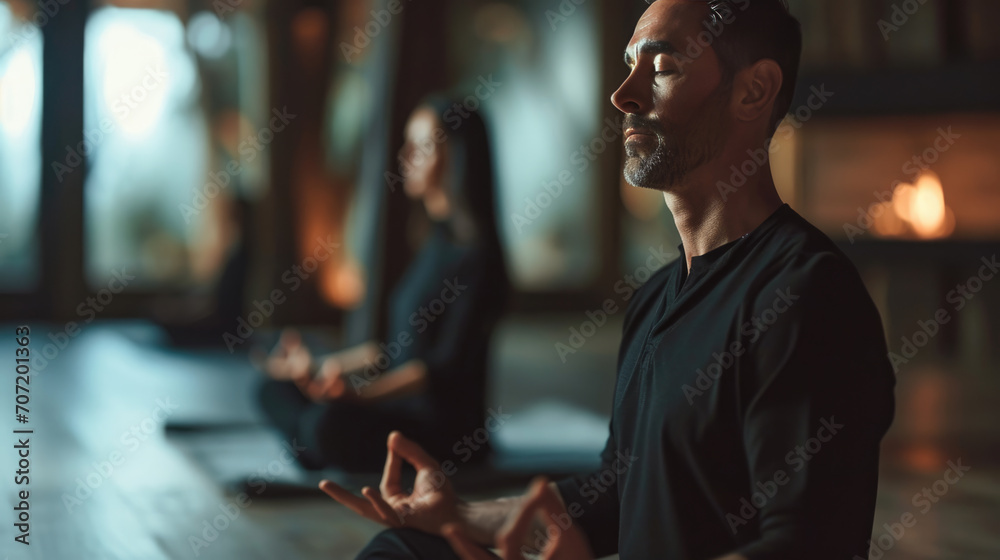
x: 430, y: 506
x: 561, y: 539
x: 290, y: 360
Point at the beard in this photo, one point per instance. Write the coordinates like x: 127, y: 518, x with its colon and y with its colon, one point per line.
x: 680, y: 148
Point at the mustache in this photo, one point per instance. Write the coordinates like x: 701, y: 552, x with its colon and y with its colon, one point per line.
x: 642, y: 123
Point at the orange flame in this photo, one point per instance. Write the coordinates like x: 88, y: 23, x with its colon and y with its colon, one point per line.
x: 919, y: 209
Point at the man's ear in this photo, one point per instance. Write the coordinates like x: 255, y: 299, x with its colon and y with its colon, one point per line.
x: 755, y: 89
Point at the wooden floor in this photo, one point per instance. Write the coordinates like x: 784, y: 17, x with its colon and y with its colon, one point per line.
x: 105, y: 397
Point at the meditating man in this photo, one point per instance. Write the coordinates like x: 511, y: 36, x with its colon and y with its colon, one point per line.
x: 753, y: 384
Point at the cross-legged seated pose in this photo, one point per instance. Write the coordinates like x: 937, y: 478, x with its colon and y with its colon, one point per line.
x: 753, y: 384
x: 429, y: 377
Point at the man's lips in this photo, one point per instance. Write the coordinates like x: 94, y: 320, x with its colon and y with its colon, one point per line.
x: 639, y: 134
x: 630, y: 132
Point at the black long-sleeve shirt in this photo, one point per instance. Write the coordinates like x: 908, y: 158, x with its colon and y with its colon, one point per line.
x: 751, y: 398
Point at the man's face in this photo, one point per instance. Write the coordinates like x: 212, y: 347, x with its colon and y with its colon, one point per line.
x: 675, y: 101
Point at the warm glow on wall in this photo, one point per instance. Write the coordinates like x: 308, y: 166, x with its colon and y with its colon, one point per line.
x: 917, y: 209
x: 343, y: 284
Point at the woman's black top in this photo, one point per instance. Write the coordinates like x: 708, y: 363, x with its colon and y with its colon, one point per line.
x: 443, y: 312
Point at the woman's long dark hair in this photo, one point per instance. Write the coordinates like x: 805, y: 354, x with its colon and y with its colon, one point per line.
x: 469, y: 176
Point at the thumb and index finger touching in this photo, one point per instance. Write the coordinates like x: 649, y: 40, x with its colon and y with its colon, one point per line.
x: 400, y: 449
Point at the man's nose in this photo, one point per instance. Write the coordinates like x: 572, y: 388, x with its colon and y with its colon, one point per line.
x: 634, y: 96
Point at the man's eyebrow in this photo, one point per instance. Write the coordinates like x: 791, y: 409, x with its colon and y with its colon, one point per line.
x: 650, y: 46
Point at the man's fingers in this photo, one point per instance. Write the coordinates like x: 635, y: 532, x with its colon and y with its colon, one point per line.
x: 548, y: 501
x: 463, y: 545
x: 354, y: 503
x: 383, y: 508
x: 517, y: 529
x: 390, y: 485
x: 413, y: 453
x: 563, y: 541
x: 551, y: 508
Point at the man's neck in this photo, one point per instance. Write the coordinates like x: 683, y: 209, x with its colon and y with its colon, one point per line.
x: 706, y: 220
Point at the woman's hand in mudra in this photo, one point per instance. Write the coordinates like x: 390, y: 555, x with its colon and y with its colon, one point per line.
x: 290, y: 360
x: 331, y: 383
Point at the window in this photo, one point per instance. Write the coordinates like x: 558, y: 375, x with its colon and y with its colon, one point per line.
x: 147, y: 143
x: 20, y: 147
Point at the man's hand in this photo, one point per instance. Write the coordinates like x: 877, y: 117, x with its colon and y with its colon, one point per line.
x: 430, y: 506
x: 541, y: 503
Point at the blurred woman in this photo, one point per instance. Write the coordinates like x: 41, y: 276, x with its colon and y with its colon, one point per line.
x: 428, y: 379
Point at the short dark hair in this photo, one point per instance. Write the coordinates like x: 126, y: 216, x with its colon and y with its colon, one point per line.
x: 754, y: 30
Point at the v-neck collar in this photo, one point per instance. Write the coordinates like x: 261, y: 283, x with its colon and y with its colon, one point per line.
x: 683, y: 286
x: 702, y: 265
